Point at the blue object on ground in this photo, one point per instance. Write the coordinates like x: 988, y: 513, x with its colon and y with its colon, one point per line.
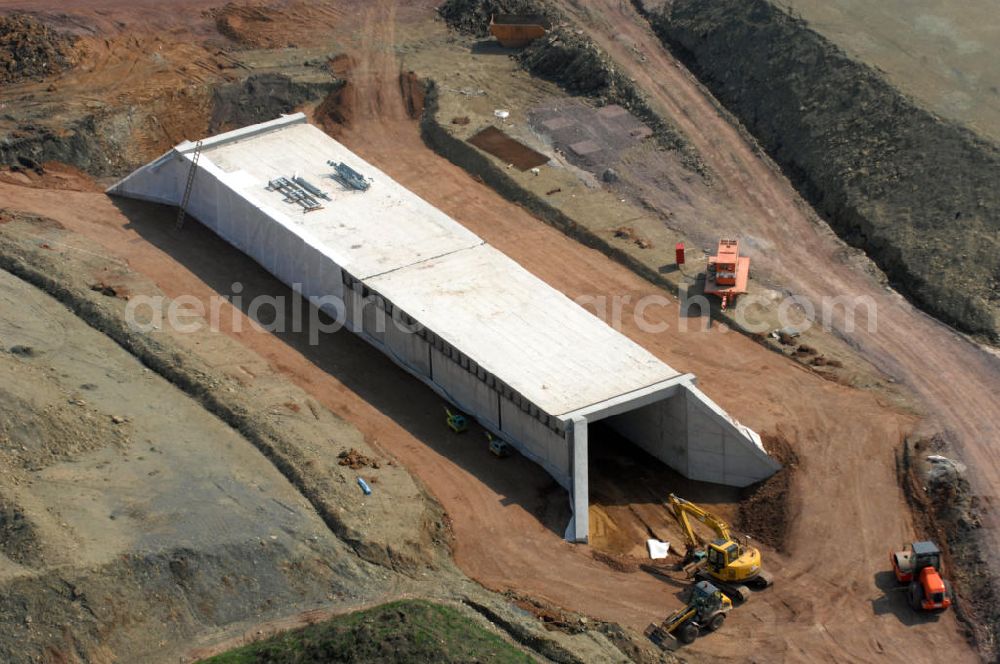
x: 364, y: 487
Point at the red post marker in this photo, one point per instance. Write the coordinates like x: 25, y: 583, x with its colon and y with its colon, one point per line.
x: 680, y: 253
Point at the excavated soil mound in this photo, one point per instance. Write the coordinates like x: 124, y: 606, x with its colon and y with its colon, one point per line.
x: 575, y: 63
x: 355, y: 460
x: 917, y: 193
x: 764, y: 510
x: 18, y: 535
x: 340, y: 65
x: 259, y: 98
x: 248, y: 26
x: 34, y: 437
x: 946, y: 511
x: 336, y: 111
x: 473, y: 16
x: 29, y: 49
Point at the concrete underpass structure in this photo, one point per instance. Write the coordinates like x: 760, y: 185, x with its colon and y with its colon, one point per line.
x: 528, y: 363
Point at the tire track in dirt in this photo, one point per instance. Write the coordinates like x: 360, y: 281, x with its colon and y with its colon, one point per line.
x: 837, y: 431
x: 956, y: 380
x: 576, y: 270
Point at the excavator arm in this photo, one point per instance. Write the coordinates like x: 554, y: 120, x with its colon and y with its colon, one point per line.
x: 730, y: 563
x: 682, y: 509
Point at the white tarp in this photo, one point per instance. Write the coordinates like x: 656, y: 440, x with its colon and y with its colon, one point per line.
x: 657, y: 549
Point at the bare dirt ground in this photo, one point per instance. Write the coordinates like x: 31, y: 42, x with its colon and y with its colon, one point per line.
x: 943, y: 54
x: 104, y: 462
x: 484, y: 496
x: 956, y: 380
x: 654, y: 202
x: 183, y: 585
x: 831, y: 602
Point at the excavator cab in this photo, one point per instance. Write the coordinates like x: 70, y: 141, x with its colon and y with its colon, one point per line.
x: 722, y: 554
x: 729, y: 561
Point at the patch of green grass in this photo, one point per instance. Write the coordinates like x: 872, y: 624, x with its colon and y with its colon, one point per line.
x: 408, y: 631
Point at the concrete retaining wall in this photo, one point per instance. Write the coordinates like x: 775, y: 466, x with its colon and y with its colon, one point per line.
x: 458, y: 385
x: 465, y: 389
x: 660, y: 429
x: 408, y: 348
x: 537, y: 441
x: 240, y: 223
x: 691, y: 434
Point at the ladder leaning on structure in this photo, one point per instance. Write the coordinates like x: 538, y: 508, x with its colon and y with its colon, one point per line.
x: 182, y: 211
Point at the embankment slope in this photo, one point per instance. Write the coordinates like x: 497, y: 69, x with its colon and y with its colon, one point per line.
x: 917, y: 192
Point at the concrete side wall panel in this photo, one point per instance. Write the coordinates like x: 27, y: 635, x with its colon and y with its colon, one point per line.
x: 408, y: 348
x: 675, y: 436
x: 559, y: 453
x: 374, y: 321
x: 707, y: 466
x: 162, y: 181
x: 254, y: 231
x: 643, y: 426
x: 466, y: 390
x: 577, y: 443
x: 695, y: 437
x: 659, y: 428
x: 718, y: 451
x: 536, y: 441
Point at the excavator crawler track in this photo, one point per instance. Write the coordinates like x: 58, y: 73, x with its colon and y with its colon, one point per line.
x: 763, y: 580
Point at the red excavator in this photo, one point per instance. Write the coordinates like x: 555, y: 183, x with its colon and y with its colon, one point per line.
x: 920, y: 568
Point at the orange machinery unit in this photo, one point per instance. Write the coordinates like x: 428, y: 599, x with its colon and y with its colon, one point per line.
x: 728, y: 272
x: 514, y: 31
x: 919, y: 568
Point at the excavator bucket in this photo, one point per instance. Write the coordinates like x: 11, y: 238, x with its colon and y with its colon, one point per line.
x: 661, y: 637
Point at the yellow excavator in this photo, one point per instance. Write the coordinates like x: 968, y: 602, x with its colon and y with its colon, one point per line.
x: 732, y: 565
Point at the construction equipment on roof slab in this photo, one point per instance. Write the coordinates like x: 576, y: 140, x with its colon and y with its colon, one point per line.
x: 294, y: 193
x: 732, y: 565
x: 311, y: 188
x: 349, y: 177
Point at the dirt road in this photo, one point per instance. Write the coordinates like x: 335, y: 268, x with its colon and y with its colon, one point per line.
x: 833, y: 602
x: 957, y: 381
x: 793, y: 398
